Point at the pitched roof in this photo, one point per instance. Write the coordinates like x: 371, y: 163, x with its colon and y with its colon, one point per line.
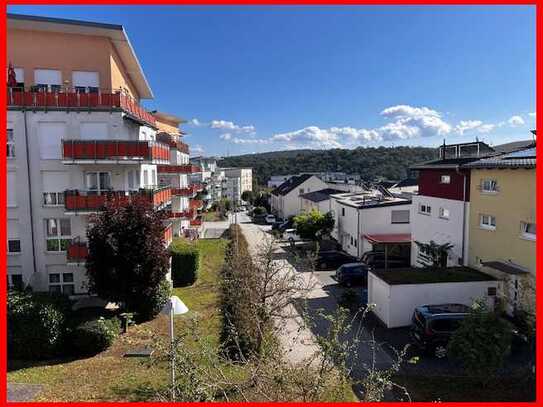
x: 446, y: 163
x: 515, y: 145
x: 525, y: 158
x: 291, y: 184
x: 408, y: 182
x: 322, y: 195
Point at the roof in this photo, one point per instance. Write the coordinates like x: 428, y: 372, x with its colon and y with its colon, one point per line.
x: 508, y: 268
x: 525, y: 158
x: 168, y: 117
x: 319, y: 196
x: 291, y: 184
x: 370, y: 199
x: 408, y: 182
x: 114, y: 32
x: 446, y: 163
x: 389, y: 238
x: 513, y: 146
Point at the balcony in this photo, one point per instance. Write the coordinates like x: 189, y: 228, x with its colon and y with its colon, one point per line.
x: 71, y: 99
x: 189, y: 214
x: 114, y: 151
x: 172, y: 142
x: 178, y: 169
x: 191, y: 190
x: 168, y: 234
x: 77, y: 252
x: 76, y: 201
x: 196, y: 222
x: 196, y: 204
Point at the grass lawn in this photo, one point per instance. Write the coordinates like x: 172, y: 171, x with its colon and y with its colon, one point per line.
x: 110, y: 377
x: 212, y: 216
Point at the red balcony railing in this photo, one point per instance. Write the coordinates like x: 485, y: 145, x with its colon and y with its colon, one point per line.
x: 178, y: 169
x: 125, y: 150
x: 188, y: 191
x: 196, y: 222
x: 77, y: 252
x: 196, y: 204
x: 69, y: 98
x: 172, y: 142
x: 76, y: 200
x: 188, y: 214
x: 168, y: 234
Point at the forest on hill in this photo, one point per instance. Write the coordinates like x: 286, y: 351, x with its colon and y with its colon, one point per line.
x: 371, y: 163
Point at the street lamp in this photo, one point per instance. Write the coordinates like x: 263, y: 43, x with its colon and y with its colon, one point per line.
x: 173, y: 307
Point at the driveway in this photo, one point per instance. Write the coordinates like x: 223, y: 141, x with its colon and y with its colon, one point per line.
x: 321, y: 299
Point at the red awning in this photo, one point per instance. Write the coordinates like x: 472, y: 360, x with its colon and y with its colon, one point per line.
x: 389, y: 238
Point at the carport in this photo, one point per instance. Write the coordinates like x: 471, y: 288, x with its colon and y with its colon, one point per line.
x: 398, y: 244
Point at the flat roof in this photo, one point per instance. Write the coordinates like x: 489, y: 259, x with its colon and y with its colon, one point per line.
x: 114, y: 32
x: 367, y: 200
x: 412, y: 275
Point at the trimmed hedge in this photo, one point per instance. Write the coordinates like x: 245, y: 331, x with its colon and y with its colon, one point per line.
x: 154, y: 301
x: 240, y: 330
x: 95, y: 336
x: 185, y: 263
x: 36, y: 324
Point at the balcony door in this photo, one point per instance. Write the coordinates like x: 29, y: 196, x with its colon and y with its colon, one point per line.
x: 98, y: 182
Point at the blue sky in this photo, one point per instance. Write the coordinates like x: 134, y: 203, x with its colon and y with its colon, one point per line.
x: 252, y: 79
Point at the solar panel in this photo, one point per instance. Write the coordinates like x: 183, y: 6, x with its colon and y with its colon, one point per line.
x: 527, y: 153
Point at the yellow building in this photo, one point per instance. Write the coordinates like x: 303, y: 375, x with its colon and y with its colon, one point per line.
x: 502, y: 225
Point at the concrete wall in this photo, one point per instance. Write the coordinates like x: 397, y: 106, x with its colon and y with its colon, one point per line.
x: 394, y: 304
x: 426, y: 227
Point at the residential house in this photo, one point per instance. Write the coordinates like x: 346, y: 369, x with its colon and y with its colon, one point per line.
x: 502, y: 225
x: 371, y: 220
x: 276, y: 180
x: 440, y: 211
x: 285, y: 199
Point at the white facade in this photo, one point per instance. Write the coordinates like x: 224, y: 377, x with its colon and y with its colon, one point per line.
x: 307, y: 205
x: 395, y: 303
x: 36, y: 210
x: 290, y: 204
x: 238, y: 180
x: 446, y: 222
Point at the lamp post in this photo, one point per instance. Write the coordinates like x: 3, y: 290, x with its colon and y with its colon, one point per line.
x: 173, y: 307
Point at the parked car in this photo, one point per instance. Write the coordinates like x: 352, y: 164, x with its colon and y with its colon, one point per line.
x: 291, y: 236
x: 332, y: 259
x: 282, y: 225
x: 352, y: 273
x: 433, y: 325
x: 260, y: 218
x: 376, y: 260
x: 270, y: 219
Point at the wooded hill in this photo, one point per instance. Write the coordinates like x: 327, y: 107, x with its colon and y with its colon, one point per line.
x: 371, y: 163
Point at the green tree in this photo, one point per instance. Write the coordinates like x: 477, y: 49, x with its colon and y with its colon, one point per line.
x: 128, y: 260
x: 313, y: 225
x: 482, y: 342
x: 248, y: 196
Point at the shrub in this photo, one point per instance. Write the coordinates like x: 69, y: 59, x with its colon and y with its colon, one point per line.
x: 259, y: 210
x: 481, y: 343
x: 185, y: 263
x: 95, y: 336
x: 156, y: 299
x: 36, y: 324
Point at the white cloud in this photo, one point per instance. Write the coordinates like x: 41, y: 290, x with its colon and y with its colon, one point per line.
x: 311, y: 136
x: 197, y: 149
x: 515, y: 121
x: 409, y: 122
x: 227, y: 125
x: 225, y: 136
x: 477, y: 125
x: 238, y: 140
x: 196, y: 123
x: 486, y: 128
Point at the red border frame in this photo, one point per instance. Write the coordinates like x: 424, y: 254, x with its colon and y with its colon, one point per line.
x: 539, y: 175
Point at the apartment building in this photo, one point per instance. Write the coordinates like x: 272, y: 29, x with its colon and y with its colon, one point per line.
x: 372, y: 220
x: 502, y: 225
x: 76, y: 136
x: 236, y: 182
x: 440, y: 211
x: 211, y: 177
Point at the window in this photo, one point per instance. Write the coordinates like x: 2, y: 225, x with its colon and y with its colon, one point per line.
x: 98, y: 181
x: 85, y: 80
x: 61, y: 283
x: 50, y: 137
x: 444, y: 213
x: 301, y: 191
x: 145, y: 178
x: 14, y: 246
x: 527, y: 230
x: 400, y: 216
x: 53, y: 198
x: 489, y: 185
x: 44, y: 78
x: 12, y: 189
x: 425, y: 209
x: 445, y: 179
x: 58, y: 234
x: 488, y: 222
x: 10, y: 143
x: 342, y: 211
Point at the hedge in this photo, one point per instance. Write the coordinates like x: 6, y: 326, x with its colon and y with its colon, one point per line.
x: 185, y: 263
x: 36, y: 324
x: 95, y: 336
